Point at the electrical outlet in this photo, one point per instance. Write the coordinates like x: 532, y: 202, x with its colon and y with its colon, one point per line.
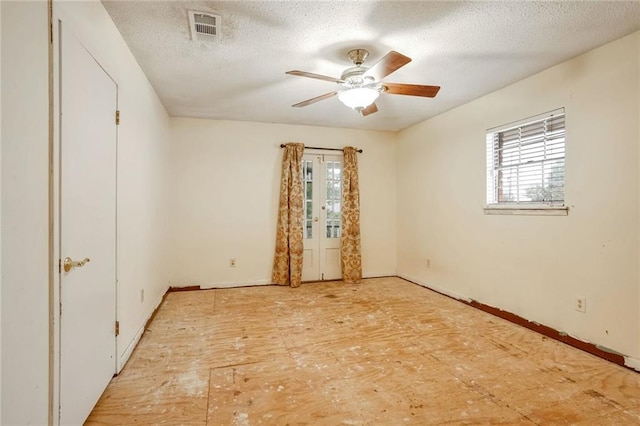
x: 428, y: 263
x: 581, y: 304
x: 232, y: 263
x: 142, y: 295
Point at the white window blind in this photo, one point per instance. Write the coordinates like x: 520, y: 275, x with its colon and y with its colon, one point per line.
x: 525, y: 161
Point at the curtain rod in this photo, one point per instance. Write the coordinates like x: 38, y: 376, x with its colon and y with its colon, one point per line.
x: 323, y: 149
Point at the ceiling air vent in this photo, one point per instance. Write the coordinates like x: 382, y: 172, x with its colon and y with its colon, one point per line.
x: 204, y: 26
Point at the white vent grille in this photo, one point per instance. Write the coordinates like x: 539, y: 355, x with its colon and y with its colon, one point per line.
x: 204, y: 26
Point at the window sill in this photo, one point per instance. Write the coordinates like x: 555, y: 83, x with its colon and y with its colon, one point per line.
x: 527, y: 210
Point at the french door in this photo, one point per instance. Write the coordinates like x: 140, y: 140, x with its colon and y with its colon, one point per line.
x: 322, y: 180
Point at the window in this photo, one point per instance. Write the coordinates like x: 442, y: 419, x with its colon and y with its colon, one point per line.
x: 525, y: 163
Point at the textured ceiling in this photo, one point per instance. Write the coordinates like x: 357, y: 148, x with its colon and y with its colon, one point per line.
x: 468, y: 48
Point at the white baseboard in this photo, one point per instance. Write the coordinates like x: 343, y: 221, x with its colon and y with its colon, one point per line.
x: 632, y: 363
x: 379, y: 274
x: 446, y: 292
x: 124, y: 356
x: 232, y: 284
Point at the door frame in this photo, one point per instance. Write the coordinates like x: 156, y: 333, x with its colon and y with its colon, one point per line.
x: 319, y: 202
x: 59, y: 18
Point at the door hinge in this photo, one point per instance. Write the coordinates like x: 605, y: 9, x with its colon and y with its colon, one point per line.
x: 59, y: 266
x: 117, y: 328
x: 51, y: 22
x: 117, y: 117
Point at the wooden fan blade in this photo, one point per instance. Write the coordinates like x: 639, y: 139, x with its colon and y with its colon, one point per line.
x: 411, y: 89
x: 370, y: 109
x: 388, y: 64
x: 314, y: 100
x: 312, y: 75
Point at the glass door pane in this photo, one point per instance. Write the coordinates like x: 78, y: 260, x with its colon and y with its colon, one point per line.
x: 333, y: 199
x: 307, y: 177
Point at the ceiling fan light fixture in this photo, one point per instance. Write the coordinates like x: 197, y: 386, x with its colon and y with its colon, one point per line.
x: 360, y: 86
x: 358, y: 98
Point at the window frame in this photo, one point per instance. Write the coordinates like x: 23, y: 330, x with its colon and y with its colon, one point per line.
x: 517, y: 207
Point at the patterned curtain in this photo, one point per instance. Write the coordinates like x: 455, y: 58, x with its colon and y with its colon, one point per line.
x: 287, y: 262
x: 350, y: 256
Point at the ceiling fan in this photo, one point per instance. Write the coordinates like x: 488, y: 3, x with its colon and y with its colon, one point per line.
x: 360, y: 86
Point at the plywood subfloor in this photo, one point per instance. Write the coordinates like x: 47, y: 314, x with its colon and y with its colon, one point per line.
x: 383, y: 352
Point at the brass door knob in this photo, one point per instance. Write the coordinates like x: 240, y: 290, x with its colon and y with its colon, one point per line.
x: 69, y: 263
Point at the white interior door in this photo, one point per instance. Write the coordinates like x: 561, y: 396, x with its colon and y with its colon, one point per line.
x: 88, y: 141
x: 322, y: 180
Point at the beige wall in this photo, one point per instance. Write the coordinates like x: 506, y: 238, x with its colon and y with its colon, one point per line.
x: 143, y: 158
x: 25, y: 188
x: 225, y: 183
x: 223, y: 177
x: 143, y: 139
x: 530, y: 265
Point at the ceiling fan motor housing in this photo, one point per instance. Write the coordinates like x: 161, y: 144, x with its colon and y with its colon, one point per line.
x: 357, y: 56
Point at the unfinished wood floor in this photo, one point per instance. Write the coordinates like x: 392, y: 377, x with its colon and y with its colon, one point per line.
x: 384, y: 352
